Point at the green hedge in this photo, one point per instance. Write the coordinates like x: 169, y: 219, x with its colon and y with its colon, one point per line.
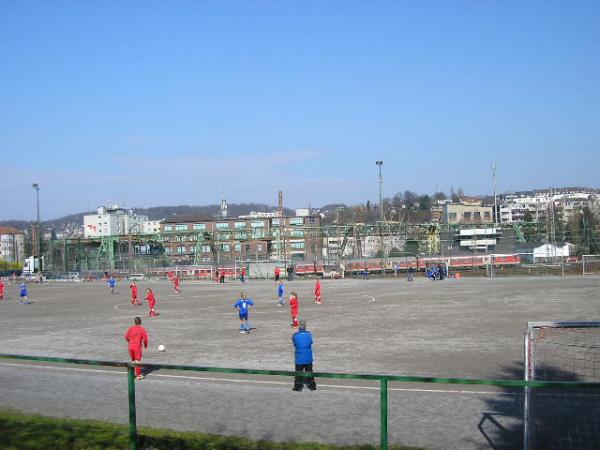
x: 23, y: 432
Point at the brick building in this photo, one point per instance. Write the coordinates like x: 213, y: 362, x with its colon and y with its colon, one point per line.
x: 208, y: 240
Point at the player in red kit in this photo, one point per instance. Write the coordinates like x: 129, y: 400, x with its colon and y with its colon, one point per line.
x: 151, y: 302
x: 294, y: 307
x: 277, y: 271
x: 136, y: 336
x: 1, y: 290
x: 176, y: 284
x: 134, y: 294
x: 318, y: 292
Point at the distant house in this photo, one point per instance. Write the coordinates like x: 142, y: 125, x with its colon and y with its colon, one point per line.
x: 545, y: 252
x: 466, y: 212
x: 12, y: 245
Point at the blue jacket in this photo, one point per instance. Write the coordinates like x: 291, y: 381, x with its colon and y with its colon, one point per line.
x: 303, y: 344
x: 280, y: 290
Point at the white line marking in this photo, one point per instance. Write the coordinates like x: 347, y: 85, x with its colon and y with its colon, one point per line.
x: 282, y: 383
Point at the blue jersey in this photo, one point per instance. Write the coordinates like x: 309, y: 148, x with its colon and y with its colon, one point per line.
x: 112, y: 282
x: 242, y: 305
x: 303, y: 347
x: 280, y: 290
x: 23, y: 288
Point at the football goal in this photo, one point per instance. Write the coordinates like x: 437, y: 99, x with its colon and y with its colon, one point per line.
x: 567, y: 418
x: 590, y: 264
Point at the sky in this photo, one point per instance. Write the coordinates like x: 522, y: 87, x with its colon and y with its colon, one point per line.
x: 147, y: 103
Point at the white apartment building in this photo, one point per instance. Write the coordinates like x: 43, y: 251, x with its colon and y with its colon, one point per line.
x: 366, y: 247
x: 113, y: 221
x: 566, y: 203
x: 150, y: 227
x: 12, y: 245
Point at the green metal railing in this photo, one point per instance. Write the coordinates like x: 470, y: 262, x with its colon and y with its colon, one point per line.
x: 383, y: 383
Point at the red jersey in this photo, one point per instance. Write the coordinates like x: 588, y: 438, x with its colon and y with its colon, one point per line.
x: 277, y: 271
x: 136, y: 336
x: 134, y: 289
x: 294, y: 306
x: 151, y: 299
x: 1, y: 287
x: 318, y: 288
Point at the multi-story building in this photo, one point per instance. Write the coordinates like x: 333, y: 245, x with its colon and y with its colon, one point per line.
x: 223, y: 239
x: 114, y: 221
x: 465, y: 213
x: 12, y: 245
x: 565, y: 203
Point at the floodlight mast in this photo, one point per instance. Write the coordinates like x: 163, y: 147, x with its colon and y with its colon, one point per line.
x: 37, y: 242
x: 380, y: 164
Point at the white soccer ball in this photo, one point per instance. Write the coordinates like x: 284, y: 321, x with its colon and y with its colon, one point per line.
x: 161, y: 348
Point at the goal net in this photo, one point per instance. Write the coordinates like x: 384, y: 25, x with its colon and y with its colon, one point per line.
x: 590, y: 264
x: 562, y: 418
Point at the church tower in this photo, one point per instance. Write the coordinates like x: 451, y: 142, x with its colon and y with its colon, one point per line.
x: 223, y: 206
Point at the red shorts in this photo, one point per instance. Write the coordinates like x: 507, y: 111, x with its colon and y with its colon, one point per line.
x: 136, y: 354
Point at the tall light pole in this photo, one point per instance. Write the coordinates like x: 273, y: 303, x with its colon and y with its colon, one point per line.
x: 381, y: 216
x: 380, y: 164
x: 36, y: 252
x: 495, y: 199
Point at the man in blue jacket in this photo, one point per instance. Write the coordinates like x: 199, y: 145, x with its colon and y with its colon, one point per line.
x: 302, y: 340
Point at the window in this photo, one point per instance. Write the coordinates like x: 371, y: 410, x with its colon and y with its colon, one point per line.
x: 259, y: 248
x: 258, y: 233
x: 240, y: 224
x: 477, y: 215
x: 181, y: 227
x: 297, y: 244
x: 199, y: 226
x: 467, y: 215
x: 258, y: 223
x: 206, y: 249
x: 240, y: 235
x: 238, y: 247
x: 297, y: 221
x: 206, y: 259
x: 224, y: 247
x: 486, y: 215
x: 297, y: 233
x: 311, y: 220
x: 181, y: 249
x: 168, y: 227
x: 222, y: 225
x: 167, y: 250
x: 276, y: 222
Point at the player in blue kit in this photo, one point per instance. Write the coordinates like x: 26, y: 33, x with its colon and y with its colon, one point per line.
x: 112, y: 283
x: 280, y: 292
x: 242, y: 306
x: 23, y: 293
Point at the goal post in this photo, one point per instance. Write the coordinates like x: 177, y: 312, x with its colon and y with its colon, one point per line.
x: 561, y: 351
x: 590, y: 264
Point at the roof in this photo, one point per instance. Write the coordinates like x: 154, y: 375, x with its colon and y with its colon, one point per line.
x: 187, y: 218
x: 10, y: 230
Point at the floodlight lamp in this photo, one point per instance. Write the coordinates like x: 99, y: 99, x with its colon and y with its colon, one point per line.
x: 379, y: 163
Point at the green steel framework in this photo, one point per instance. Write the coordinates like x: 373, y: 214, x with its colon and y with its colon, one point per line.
x: 383, y: 383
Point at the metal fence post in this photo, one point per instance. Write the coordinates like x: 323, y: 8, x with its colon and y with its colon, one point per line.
x: 383, y: 390
x: 132, y: 415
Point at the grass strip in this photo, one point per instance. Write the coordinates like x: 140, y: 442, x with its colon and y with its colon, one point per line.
x: 21, y: 431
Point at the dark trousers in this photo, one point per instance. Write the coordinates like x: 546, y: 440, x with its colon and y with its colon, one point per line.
x: 299, y: 382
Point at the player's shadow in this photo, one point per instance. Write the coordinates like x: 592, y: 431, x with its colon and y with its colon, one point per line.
x: 148, y: 370
x: 565, y: 418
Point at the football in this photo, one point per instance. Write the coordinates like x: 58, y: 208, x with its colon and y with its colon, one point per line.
x: 161, y: 348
